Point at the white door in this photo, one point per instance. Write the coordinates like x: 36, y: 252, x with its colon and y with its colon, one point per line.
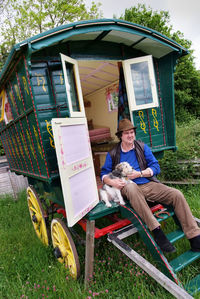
x: 73, y: 86
x: 75, y: 166
x: 73, y: 149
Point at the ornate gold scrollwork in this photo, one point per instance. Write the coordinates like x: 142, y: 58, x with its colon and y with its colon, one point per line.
x: 17, y: 92
x: 155, y: 122
x: 25, y: 84
x: 38, y: 142
x: 25, y: 147
x: 142, y: 123
x: 41, y: 80
x: 61, y: 78
x: 49, y: 130
x: 12, y: 98
x: 30, y: 143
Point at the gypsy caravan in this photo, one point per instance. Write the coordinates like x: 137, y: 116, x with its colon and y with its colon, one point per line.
x: 62, y: 93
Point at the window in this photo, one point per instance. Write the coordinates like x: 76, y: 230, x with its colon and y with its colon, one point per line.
x: 73, y: 86
x: 140, y: 83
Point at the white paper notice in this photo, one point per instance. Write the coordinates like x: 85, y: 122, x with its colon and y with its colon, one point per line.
x: 75, y: 138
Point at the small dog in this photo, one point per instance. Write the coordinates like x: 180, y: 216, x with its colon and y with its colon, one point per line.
x: 108, y: 193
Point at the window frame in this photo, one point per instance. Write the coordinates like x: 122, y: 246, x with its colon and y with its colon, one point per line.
x: 77, y: 83
x: 130, y: 83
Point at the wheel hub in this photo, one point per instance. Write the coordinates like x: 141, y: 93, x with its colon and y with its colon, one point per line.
x: 34, y: 219
x: 57, y: 253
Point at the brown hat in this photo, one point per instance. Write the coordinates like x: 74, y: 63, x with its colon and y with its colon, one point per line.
x: 124, y: 125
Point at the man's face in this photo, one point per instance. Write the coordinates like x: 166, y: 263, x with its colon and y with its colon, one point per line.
x: 128, y: 136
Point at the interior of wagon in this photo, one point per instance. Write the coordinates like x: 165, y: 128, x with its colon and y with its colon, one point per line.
x: 100, y: 88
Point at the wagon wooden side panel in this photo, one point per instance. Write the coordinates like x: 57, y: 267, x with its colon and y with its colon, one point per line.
x: 20, y: 129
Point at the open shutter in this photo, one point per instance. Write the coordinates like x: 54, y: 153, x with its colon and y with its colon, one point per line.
x: 75, y: 166
x: 140, y: 83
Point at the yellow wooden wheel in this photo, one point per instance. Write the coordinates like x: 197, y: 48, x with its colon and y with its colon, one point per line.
x: 37, y: 216
x: 64, y: 248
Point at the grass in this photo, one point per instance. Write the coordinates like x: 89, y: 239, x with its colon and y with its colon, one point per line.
x: 29, y: 270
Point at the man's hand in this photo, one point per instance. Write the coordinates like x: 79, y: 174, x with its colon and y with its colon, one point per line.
x: 117, y: 183
x: 134, y: 175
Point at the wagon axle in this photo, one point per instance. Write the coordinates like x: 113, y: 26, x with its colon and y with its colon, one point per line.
x: 34, y: 219
x: 57, y: 253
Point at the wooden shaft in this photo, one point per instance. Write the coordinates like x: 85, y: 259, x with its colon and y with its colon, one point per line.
x: 89, y: 251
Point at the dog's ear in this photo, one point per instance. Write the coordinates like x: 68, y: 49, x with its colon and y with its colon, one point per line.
x: 119, y: 167
x: 116, y: 173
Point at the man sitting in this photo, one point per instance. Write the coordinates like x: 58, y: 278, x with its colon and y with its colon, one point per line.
x: 146, y: 186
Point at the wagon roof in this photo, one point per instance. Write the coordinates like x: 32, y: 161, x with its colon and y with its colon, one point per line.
x: 133, y: 35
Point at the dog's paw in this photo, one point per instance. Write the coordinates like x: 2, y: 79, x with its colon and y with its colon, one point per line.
x: 108, y: 205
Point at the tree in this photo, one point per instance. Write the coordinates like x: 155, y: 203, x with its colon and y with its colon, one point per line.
x: 36, y: 16
x: 187, y: 83
x: 146, y: 17
x: 187, y: 78
x: 25, y: 18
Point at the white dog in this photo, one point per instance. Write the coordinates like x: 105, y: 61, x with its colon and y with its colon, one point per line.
x: 108, y: 193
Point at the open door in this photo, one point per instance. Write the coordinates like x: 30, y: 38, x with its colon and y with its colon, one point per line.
x: 73, y: 149
x: 75, y: 166
x: 73, y: 86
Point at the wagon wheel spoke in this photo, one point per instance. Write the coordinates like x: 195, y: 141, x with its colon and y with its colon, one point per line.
x: 33, y: 209
x: 70, y: 258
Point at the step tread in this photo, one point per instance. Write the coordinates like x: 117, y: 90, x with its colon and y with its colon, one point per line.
x: 183, y: 260
x: 175, y: 235
x: 193, y: 285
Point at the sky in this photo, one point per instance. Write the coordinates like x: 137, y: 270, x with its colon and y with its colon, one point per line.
x: 184, y: 16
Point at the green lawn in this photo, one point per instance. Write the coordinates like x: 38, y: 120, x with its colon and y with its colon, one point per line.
x: 29, y: 270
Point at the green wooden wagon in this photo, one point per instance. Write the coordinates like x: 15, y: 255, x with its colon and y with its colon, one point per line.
x: 62, y: 93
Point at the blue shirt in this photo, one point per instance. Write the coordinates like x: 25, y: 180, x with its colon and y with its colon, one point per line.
x: 131, y: 158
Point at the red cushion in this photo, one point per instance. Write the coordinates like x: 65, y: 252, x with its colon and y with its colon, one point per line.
x: 99, y: 134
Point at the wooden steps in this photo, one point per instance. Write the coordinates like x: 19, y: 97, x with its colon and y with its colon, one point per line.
x: 175, y: 235
x: 177, y: 264
x: 184, y: 260
x: 193, y: 286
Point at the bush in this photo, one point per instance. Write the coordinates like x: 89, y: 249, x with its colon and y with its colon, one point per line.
x: 188, y: 140
x: 172, y: 170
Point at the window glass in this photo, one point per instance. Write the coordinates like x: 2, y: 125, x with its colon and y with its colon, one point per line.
x: 73, y: 86
x: 141, y: 83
